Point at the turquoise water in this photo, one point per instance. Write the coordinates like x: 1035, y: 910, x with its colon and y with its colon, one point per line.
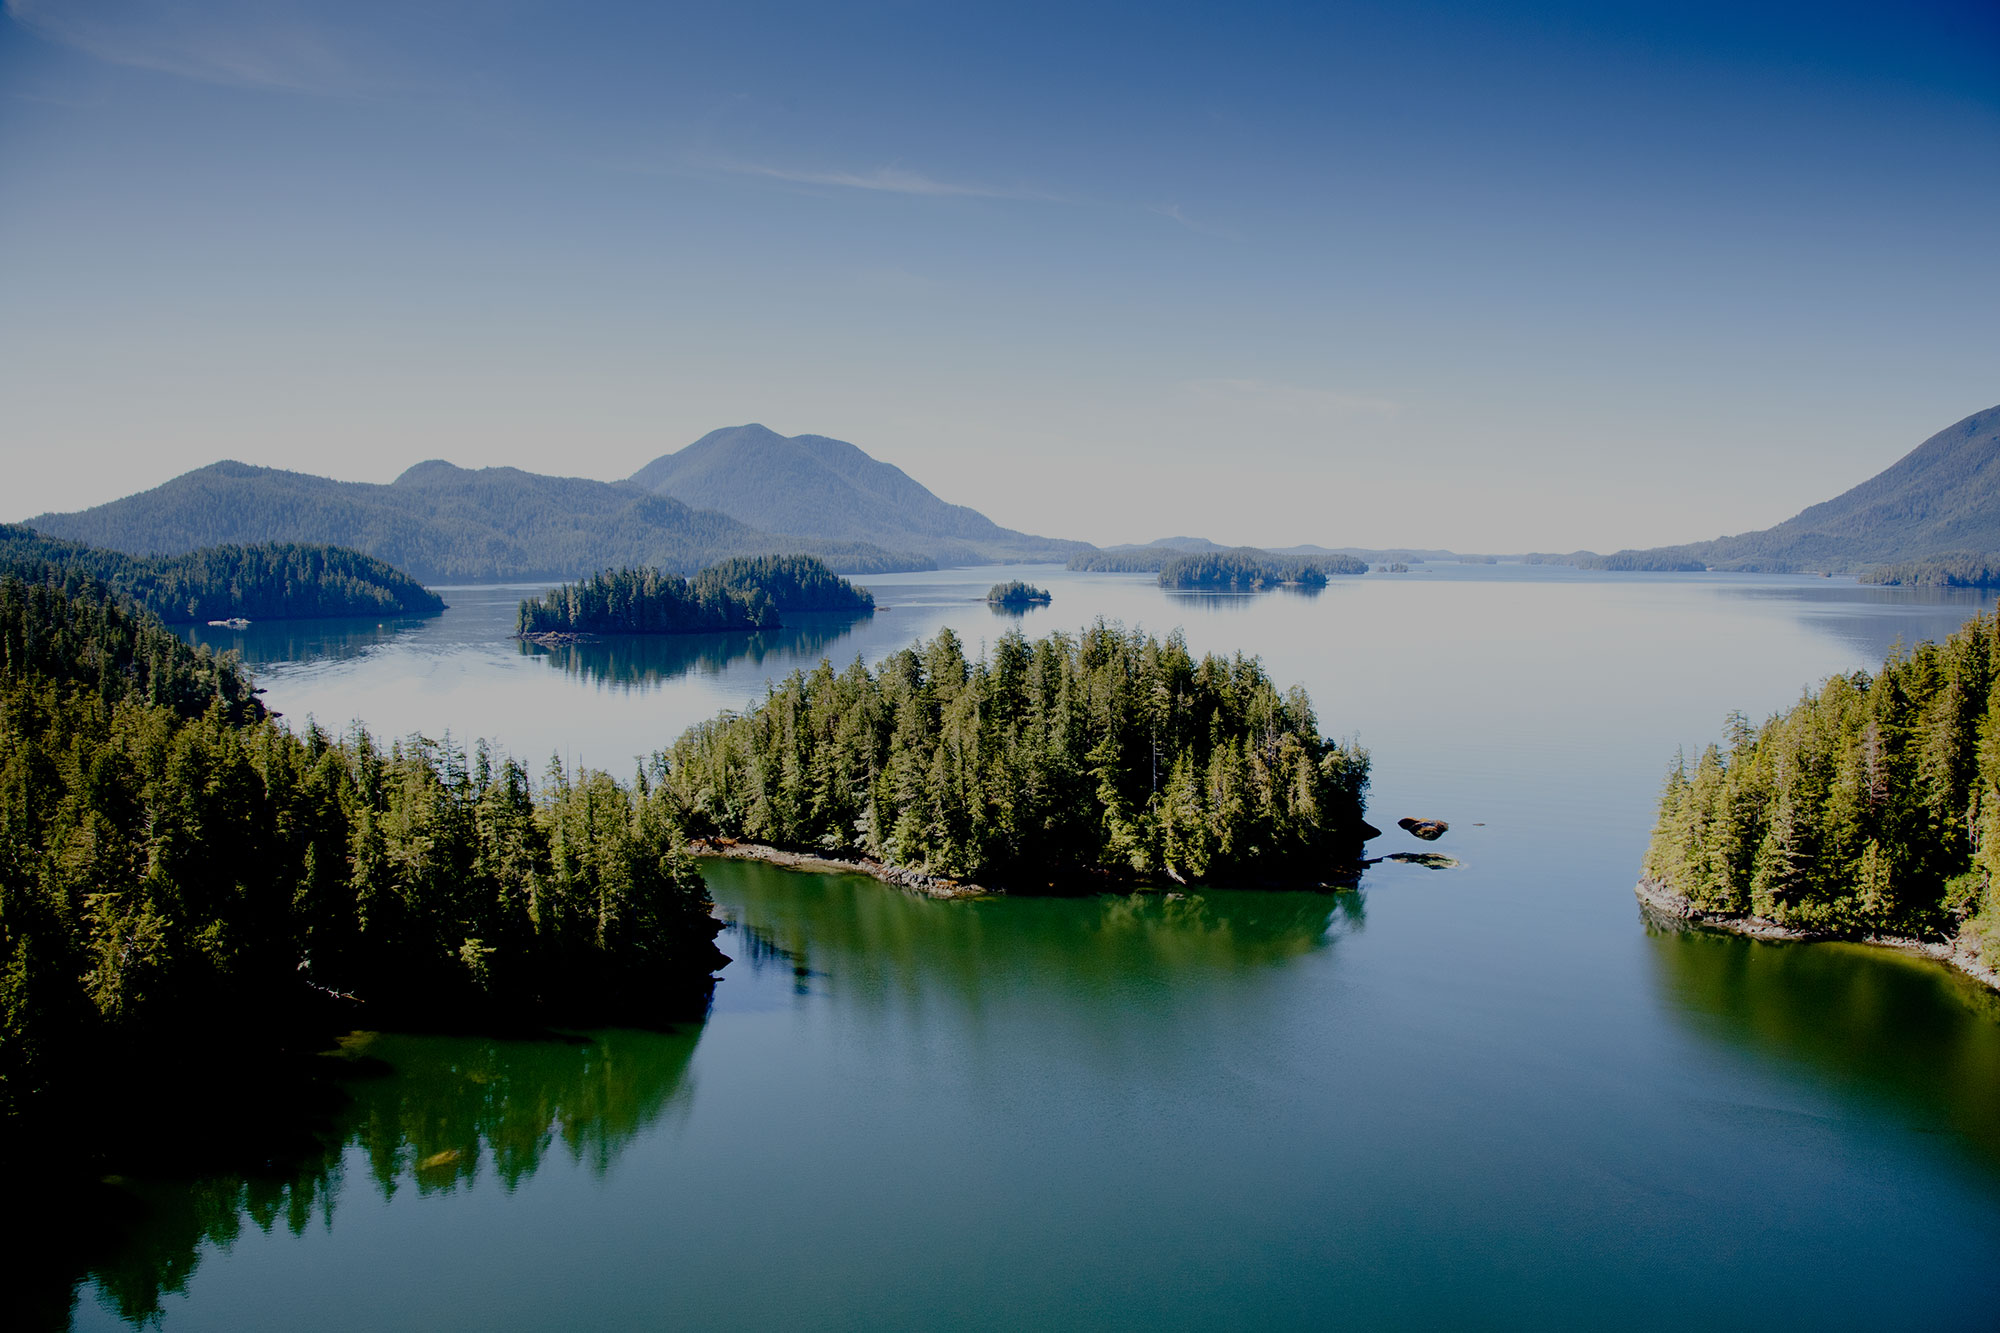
x: 1487, y: 1096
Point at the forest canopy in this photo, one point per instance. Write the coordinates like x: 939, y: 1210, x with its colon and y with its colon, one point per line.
x: 744, y: 593
x: 1247, y: 569
x: 169, y: 854
x: 1017, y: 593
x: 275, y: 581
x: 1963, y: 570
x: 1108, y: 755
x: 1872, y: 806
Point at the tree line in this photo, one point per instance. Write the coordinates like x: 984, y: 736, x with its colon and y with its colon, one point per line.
x: 169, y: 856
x: 1071, y: 759
x: 1963, y: 570
x: 744, y: 593
x: 1247, y: 569
x: 1872, y: 806
x: 274, y: 581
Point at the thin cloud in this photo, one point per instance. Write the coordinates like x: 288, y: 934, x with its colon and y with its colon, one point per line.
x: 890, y: 179
x: 266, y: 45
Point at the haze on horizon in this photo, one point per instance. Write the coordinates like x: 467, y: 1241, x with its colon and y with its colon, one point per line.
x: 1489, y: 277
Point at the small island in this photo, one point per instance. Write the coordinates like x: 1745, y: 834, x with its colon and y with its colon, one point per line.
x: 746, y: 593
x: 1247, y: 569
x: 1075, y: 761
x: 1017, y: 594
x: 225, y: 584
x: 1869, y: 811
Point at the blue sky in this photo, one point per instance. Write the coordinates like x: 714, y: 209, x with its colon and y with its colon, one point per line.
x: 1480, y: 276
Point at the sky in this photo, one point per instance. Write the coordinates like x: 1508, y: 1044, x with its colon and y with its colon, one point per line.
x: 1479, y: 276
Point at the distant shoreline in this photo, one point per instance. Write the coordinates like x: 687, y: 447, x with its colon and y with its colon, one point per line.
x: 1658, y: 899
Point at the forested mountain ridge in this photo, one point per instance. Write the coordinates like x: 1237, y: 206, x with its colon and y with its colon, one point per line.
x: 278, y: 580
x: 814, y: 486
x: 441, y: 523
x: 1943, y: 497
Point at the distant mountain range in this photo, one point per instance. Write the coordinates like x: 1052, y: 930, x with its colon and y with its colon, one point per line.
x: 1941, y: 498
x: 742, y: 491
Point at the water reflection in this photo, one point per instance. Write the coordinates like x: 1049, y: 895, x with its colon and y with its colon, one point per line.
x: 425, y: 1113
x: 640, y: 662
x: 1885, y: 1027
x: 881, y: 942
x: 1871, y: 619
x: 339, y: 639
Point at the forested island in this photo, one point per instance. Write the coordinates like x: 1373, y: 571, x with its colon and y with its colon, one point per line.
x: 1871, y: 808
x: 1249, y: 570
x: 1017, y: 593
x: 274, y: 581
x: 746, y: 593
x: 1069, y: 761
x: 169, y: 855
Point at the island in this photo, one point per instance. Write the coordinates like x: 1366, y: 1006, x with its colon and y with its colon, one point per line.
x: 745, y: 593
x: 1072, y: 762
x: 174, y: 858
x: 225, y: 584
x: 1868, y: 811
x: 1017, y: 594
x: 1247, y: 569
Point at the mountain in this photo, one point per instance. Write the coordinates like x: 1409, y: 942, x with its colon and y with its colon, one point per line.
x: 813, y: 486
x: 442, y: 523
x: 1940, y: 498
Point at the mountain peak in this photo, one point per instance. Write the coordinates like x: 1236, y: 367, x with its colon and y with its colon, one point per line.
x: 817, y: 486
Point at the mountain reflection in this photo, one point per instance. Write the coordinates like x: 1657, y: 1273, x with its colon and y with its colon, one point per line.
x: 1884, y: 1026
x: 427, y: 1113
x: 638, y: 662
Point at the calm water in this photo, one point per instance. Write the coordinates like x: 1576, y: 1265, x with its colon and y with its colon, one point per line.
x: 1485, y: 1096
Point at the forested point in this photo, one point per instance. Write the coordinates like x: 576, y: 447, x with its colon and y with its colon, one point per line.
x: 745, y: 593
x: 274, y: 581
x: 1017, y: 593
x: 171, y: 857
x: 1963, y: 570
x: 1247, y: 570
x: 1070, y: 760
x: 1871, y: 807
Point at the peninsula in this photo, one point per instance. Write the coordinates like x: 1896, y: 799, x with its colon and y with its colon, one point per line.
x: 1870, y: 811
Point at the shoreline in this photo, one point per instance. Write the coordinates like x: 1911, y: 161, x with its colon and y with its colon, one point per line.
x: 915, y: 881
x: 1657, y: 899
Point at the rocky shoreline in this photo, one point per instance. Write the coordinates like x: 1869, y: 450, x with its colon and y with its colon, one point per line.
x: 1662, y: 904
x: 930, y: 886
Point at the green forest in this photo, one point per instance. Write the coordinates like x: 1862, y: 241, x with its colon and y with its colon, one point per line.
x: 1247, y: 569
x: 1962, y: 570
x: 745, y: 593
x: 169, y: 855
x: 1017, y: 593
x: 1072, y: 759
x: 275, y: 581
x: 1872, y: 806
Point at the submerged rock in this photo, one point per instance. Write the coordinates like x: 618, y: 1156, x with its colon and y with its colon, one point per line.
x: 1430, y: 830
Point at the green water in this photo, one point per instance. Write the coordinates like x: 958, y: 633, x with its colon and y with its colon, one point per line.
x: 1491, y: 1096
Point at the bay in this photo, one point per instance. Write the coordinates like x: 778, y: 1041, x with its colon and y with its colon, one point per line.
x: 1489, y: 1095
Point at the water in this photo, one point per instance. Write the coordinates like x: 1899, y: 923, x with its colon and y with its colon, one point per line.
x: 1486, y: 1096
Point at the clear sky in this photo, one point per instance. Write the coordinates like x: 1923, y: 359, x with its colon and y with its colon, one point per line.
x: 1492, y: 277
